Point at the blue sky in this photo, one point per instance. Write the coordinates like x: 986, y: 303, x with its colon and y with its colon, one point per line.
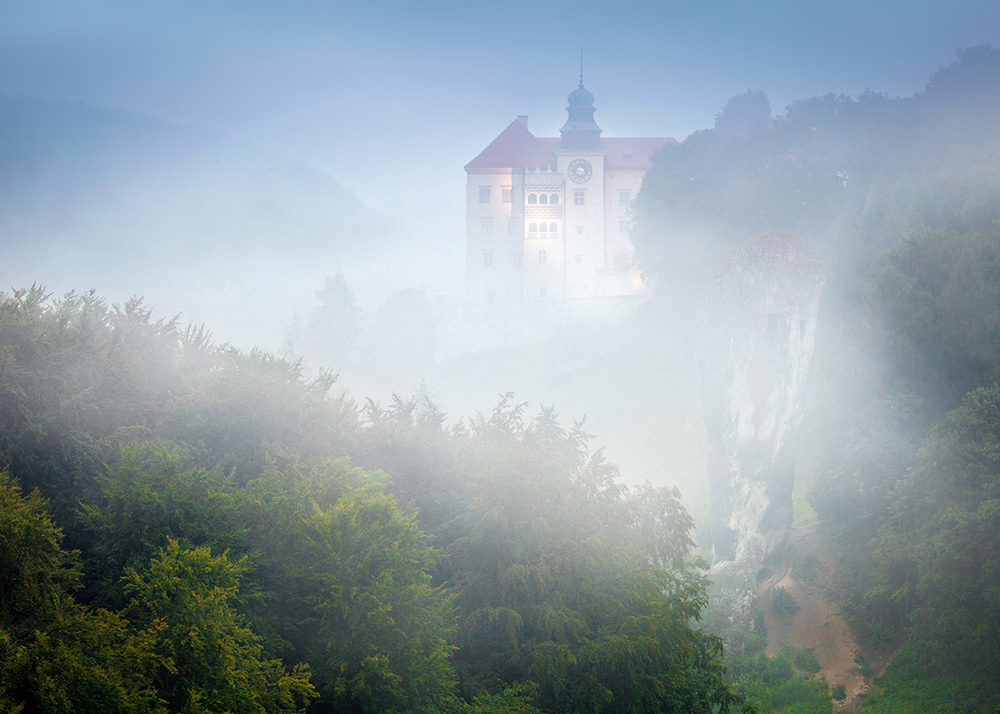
x: 393, y: 98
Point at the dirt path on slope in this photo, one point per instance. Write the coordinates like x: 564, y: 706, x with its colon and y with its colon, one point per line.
x: 805, y: 571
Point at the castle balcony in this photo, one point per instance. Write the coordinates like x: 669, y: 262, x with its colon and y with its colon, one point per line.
x: 543, y: 212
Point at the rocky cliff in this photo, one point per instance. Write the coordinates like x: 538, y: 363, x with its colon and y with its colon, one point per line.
x: 758, y: 342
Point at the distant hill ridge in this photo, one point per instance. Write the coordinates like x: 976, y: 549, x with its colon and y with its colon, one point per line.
x: 119, y: 179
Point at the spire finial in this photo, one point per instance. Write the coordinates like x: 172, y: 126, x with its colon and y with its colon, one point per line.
x: 581, y: 65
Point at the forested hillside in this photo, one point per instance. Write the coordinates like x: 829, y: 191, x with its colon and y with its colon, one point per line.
x: 188, y: 527
x: 901, y: 197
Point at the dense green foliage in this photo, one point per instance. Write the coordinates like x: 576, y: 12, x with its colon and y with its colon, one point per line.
x: 929, y: 568
x: 782, y: 684
x: 56, y: 656
x: 561, y: 578
x: 204, y: 660
x: 902, y: 199
x: 229, y: 558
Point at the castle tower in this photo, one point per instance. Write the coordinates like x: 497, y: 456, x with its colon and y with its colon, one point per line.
x: 580, y: 130
x: 581, y: 165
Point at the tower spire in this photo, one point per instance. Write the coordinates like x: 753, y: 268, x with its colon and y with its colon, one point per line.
x: 580, y: 130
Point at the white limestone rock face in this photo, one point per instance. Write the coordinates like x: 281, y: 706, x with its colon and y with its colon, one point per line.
x: 757, y: 346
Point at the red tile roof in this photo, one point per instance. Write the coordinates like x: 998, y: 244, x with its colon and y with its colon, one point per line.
x: 631, y: 153
x: 516, y: 147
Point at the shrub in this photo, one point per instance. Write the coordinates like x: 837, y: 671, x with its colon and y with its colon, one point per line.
x: 783, y: 602
x: 802, y: 658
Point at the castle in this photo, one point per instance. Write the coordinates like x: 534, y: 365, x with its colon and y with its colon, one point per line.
x: 549, y: 218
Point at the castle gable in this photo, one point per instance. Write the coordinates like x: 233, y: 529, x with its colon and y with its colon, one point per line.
x: 516, y: 148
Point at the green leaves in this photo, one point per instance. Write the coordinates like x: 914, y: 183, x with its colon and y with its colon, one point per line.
x: 378, y: 630
x: 205, y: 660
x: 35, y: 573
x: 783, y: 683
x: 55, y: 656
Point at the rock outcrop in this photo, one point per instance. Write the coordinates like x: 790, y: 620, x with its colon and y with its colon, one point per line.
x: 757, y: 347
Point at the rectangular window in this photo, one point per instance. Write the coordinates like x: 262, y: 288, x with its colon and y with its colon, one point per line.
x: 515, y: 257
x: 484, y: 194
x: 505, y: 194
x: 622, y: 228
x: 487, y: 258
x: 579, y: 258
x: 623, y: 198
x: 579, y: 230
x: 578, y: 198
x: 541, y: 256
x: 513, y: 226
x: 486, y: 226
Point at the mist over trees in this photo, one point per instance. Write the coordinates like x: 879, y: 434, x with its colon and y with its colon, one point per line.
x: 852, y: 174
x: 901, y: 197
x: 224, y: 230
x: 183, y: 530
x: 335, y: 323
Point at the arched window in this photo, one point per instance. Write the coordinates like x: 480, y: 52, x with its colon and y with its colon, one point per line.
x: 554, y: 198
x: 543, y: 228
x: 553, y: 228
x: 533, y: 228
x: 532, y: 198
x: 622, y: 263
x: 543, y: 199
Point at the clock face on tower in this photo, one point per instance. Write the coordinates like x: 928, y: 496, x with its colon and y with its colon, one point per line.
x: 580, y: 171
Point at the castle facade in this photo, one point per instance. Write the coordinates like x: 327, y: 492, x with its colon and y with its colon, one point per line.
x: 548, y: 219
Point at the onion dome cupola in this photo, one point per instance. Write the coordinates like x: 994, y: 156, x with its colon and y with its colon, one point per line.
x: 580, y: 131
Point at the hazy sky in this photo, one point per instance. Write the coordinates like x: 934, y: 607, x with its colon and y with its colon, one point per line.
x: 394, y: 98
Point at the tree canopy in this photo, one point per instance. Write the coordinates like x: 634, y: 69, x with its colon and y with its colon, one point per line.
x: 230, y: 557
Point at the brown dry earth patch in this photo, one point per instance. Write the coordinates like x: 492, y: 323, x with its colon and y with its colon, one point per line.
x: 805, y: 570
